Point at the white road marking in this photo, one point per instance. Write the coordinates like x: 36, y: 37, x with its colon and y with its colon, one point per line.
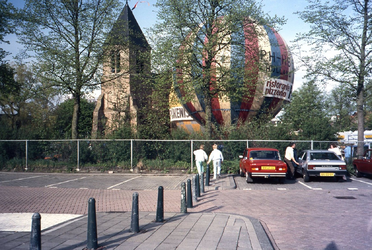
x: 303, y: 184
x: 123, y: 182
x: 282, y: 189
x: 365, y: 182
x: 51, y: 185
x: 352, y: 189
x: 309, y: 187
x: 20, y: 179
x: 247, y: 188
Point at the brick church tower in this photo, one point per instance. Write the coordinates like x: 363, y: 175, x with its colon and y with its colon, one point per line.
x: 125, y: 88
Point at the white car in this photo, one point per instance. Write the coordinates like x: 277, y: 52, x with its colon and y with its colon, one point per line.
x: 321, y: 163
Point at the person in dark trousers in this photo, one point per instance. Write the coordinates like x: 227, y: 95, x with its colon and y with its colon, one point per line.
x: 289, y: 158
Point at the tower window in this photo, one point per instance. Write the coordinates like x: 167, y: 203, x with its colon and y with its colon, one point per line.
x: 115, y: 61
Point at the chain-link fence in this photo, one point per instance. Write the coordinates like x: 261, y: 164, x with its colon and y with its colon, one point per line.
x: 127, y: 154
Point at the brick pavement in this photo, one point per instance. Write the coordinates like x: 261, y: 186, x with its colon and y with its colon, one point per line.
x: 296, y: 219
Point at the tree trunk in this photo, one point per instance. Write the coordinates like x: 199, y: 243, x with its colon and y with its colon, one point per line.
x: 75, y: 117
x: 208, y: 118
x: 360, y: 113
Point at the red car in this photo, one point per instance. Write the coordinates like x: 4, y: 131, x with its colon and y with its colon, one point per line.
x: 364, y: 165
x: 262, y: 163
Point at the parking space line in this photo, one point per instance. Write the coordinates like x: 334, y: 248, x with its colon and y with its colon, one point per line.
x: 303, y: 184
x: 365, y: 182
x: 123, y: 182
x: 51, y: 185
x: 20, y: 179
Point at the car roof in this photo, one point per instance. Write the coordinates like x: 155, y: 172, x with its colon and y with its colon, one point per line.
x: 318, y: 151
x: 264, y: 149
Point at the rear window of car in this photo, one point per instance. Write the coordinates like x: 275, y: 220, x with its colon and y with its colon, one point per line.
x: 264, y: 155
x: 323, y: 156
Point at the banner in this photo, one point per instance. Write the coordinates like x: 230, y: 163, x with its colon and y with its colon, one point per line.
x: 278, y: 88
x: 179, y: 114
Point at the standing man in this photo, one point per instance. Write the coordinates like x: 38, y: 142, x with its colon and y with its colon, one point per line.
x: 348, y: 154
x: 288, y: 158
x: 217, y: 158
x: 200, y: 157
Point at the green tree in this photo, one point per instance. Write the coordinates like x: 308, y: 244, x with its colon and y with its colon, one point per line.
x: 64, y: 114
x: 340, y: 38
x: 7, y: 17
x: 342, y: 108
x: 306, y: 117
x: 194, y: 37
x: 67, y: 39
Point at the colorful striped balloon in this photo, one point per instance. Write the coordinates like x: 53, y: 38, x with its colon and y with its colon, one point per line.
x: 267, y: 90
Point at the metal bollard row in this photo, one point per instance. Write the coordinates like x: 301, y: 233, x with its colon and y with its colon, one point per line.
x: 188, y: 196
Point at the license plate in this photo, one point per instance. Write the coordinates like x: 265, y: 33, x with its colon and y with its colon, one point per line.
x: 327, y: 174
x: 268, y: 167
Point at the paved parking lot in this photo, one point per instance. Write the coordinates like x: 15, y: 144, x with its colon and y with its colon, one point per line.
x: 352, y: 183
x: 321, y: 214
x: 94, y: 181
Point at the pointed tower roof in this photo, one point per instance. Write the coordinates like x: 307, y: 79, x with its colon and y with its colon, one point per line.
x: 126, y: 30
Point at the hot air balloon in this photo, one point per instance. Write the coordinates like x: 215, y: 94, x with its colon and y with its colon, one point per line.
x: 267, y: 87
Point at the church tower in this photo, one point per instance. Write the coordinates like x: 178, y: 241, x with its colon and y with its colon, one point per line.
x: 125, y: 88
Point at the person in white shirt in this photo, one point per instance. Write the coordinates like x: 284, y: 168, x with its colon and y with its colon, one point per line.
x: 288, y: 158
x: 217, y: 158
x: 334, y: 148
x: 200, y: 157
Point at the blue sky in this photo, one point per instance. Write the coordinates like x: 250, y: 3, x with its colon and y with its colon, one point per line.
x: 145, y: 14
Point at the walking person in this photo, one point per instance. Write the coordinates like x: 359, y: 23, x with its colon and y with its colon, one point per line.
x: 289, y: 158
x: 200, y: 157
x: 217, y: 158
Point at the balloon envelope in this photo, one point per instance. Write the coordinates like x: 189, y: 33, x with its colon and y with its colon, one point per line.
x: 266, y: 89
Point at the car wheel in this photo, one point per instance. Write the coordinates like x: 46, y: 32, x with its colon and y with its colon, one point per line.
x: 357, y: 173
x: 241, y: 172
x: 305, y: 176
x: 248, y: 177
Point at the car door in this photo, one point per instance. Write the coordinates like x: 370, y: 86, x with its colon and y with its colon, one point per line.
x: 243, y: 161
x: 302, y: 161
x: 366, y: 164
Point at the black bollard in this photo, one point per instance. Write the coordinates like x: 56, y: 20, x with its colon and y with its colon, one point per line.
x: 194, y: 198
x: 92, y: 242
x: 202, y: 183
x: 160, y: 208
x: 35, y: 242
x: 189, y: 196
x: 135, y: 216
x: 197, y: 185
x: 183, y: 198
x: 207, y: 176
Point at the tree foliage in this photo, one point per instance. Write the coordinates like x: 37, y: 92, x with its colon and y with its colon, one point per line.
x: 306, y: 117
x: 7, y: 18
x: 63, y: 115
x: 340, y: 38
x: 66, y: 38
x: 342, y: 108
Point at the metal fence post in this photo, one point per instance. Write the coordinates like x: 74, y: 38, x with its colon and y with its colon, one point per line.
x: 192, y: 162
x: 26, y: 155
x: 131, y: 155
x: 78, y: 158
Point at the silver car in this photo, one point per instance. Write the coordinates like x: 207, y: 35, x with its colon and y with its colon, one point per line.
x: 322, y: 163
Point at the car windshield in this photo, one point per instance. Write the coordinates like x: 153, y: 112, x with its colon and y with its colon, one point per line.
x: 264, y: 155
x: 323, y: 156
